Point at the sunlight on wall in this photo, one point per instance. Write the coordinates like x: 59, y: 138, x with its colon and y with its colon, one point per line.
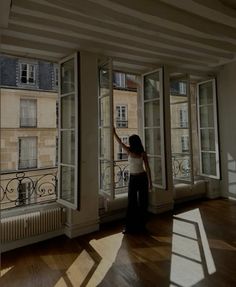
x: 191, y: 256
x: 84, y: 271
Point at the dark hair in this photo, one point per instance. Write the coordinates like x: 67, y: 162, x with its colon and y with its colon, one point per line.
x: 135, y: 144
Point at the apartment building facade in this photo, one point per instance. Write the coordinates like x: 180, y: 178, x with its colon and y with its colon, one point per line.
x: 29, y: 134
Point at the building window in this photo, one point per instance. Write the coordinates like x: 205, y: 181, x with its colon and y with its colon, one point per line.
x: 27, y: 74
x: 121, y: 116
x: 27, y: 152
x: 185, y: 143
x: 183, y: 118
x: 28, y: 113
x: 124, y: 81
x: 122, y: 154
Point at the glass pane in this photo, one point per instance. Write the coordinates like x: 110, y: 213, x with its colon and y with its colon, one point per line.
x: 104, y: 82
x: 67, y: 77
x: 206, y: 117
x: 105, y: 174
x: 105, y: 146
x: 178, y: 87
x: 208, y: 140
x: 68, y: 147
x: 206, y: 93
x: 152, y: 114
x: 68, y: 112
x: 156, y: 170
x: 104, y: 104
x: 209, y: 163
x: 153, y: 141
x: 151, y: 86
x: 67, y: 183
x: 181, y: 167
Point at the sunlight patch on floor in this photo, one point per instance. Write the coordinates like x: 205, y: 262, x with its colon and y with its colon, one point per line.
x: 85, y: 269
x: 4, y: 271
x: 191, y: 258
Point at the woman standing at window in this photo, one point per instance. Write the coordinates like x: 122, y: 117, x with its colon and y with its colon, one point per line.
x: 139, y: 184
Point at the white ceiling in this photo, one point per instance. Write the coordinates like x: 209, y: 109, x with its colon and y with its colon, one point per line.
x: 197, y: 35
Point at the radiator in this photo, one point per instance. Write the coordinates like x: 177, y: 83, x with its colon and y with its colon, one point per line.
x: 31, y: 224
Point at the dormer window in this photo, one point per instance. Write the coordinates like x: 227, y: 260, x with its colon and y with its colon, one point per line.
x: 27, y: 74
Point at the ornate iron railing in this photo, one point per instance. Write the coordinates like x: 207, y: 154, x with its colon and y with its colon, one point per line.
x: 181, y: 167
x: 121, y: 175
x: 21, y: 189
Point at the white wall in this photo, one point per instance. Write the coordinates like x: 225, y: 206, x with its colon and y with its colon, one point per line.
x: 227, y: 129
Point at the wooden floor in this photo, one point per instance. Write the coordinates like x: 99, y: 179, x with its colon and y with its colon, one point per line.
x: 195, y: 245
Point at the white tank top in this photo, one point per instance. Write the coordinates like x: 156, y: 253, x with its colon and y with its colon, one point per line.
x: 135, y: 164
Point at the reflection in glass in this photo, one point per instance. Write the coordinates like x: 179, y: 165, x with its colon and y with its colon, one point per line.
x: 151, y: 86
x: 206, y: 93
x: 153, y: 141
x: 156, y: 170
x: 68, y: 112
x: 105, y: 147
x: 67, y: 77
x: 152, y: 113
x: 104, y: 104
x: 105, y: 174
x: 206, y: 117
x: 208, y: 139
x: 68, y: 147
x: 209, y: 163
x: 67, y: 182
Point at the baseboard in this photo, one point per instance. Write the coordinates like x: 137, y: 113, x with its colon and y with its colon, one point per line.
x: 160, y: 208
x: 75, y: 230
x: 30, y: 240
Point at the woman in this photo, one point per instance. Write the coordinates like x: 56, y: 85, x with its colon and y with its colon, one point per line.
x: 139, y: 184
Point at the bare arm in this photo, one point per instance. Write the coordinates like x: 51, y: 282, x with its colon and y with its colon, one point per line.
x: 147, y: 168
x: 124, y: 146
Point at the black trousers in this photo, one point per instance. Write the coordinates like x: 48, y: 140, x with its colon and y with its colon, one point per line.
x: 136, y: 215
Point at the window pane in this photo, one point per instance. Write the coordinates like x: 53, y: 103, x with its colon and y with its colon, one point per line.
x: 206, y: 117
x: 152, y: 113
x: 68, y: 147
x: 27, y: 152
x: 153, y: 141
x: 67, y: 77
x: 105, y: 174
x: 105, y: 109
x: 67, y: 183
x: 28, y: 113
x: 68, y: 112
x: 156, y: 170
x: 151, y: 86
x: 208, y: 139
x: 206, y: 93
x: 209, y: 163
x: 105, y: 147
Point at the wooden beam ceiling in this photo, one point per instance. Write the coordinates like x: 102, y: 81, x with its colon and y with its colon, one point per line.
x: 139, y: 35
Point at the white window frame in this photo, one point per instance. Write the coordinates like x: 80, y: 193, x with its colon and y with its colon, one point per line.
x: 185, y: 143
x: 62, y: 201
x: 120, y: 80
x: 183, y: 118
x: 215, y: 116
x: 162, y: 132
x: 125, y: 140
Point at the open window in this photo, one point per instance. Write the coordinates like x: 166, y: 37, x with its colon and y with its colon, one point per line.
x: 181, y: 131
x: 208, y: 129
x: 154, y: 126
x: 106, y: 146
x: 68, y: 188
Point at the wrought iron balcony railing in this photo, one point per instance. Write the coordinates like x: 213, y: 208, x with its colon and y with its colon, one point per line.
x: 181, y: 166
x: 20, y: 189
